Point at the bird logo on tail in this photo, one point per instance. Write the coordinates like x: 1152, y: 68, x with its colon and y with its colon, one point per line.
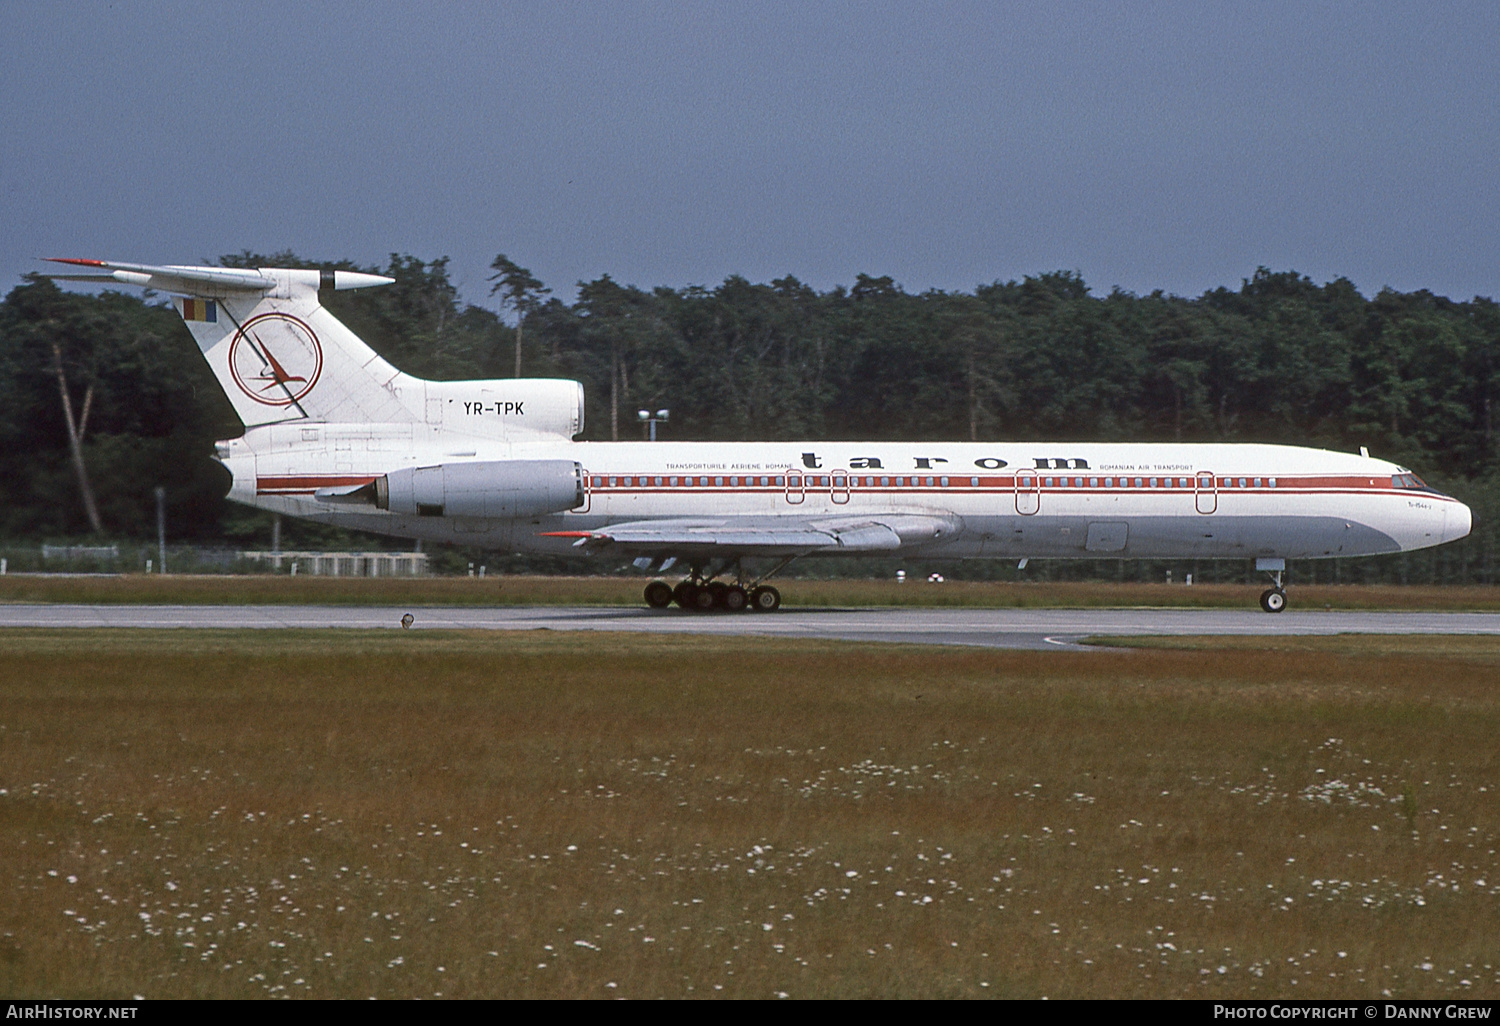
x: 275, y: 359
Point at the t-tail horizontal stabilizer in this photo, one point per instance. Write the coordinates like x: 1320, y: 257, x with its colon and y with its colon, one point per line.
x: 212, y: 282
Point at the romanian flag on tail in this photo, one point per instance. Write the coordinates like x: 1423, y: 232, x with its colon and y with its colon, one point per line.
x: 200, y: 310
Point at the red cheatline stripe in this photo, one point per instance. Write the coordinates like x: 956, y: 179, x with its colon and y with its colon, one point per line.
x: 565, y: 534
x: 961, y: 483
x: 76, y: 260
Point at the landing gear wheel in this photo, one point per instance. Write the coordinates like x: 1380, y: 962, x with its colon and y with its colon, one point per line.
x: 701, y: 600
x: 734, y: 599
x: 1273, y: 600
x: 716, y: 589
x: 659, y: 595
x: 765, y: 599
x: 684, y: 593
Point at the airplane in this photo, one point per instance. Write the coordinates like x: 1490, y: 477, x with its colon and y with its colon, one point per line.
x: 335, y: 434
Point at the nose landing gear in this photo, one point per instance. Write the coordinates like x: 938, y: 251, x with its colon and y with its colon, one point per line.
x: 1273, y: 599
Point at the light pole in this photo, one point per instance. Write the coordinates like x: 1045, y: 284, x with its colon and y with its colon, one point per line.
x: 161, y: 527
x: 651, y: 420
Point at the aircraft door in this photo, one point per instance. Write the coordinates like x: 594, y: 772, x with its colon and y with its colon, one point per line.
x: 840, y: 492
x: 795, y: 487
x: 1206, y: 494
x: 1028, y: 493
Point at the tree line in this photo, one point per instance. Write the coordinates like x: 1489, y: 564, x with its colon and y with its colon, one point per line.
x: 114, y: 382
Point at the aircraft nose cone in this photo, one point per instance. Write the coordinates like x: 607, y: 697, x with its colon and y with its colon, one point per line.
x: 1457, y: 522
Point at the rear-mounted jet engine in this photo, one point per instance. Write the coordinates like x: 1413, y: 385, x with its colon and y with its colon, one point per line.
x: 497, y: 489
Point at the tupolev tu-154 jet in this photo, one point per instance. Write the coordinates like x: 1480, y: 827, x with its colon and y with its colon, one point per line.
x: 334, y: 433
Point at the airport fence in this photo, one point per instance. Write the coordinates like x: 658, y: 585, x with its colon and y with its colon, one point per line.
x: 137, y: 557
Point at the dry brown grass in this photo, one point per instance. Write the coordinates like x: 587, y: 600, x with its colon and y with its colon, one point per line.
x: 500, y: 814
x: 205, y: 589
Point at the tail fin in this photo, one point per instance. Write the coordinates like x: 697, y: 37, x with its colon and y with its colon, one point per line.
x: 278, y: 355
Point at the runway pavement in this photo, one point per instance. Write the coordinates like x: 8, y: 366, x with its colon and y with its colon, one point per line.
x: 993, y: 628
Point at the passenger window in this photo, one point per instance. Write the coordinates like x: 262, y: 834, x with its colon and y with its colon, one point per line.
x: 944, y: 480
x: 1137, y: 482
x: 612, y: 482
x: 973, y: 482
x: 1109, y: 482
x: 1271, y: 482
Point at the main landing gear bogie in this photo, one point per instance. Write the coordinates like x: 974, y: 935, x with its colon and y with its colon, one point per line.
x: 704, y: 592
x: 713, y: 595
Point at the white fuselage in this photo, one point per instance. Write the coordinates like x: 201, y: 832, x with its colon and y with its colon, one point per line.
x: 1004, y: 499
x: 335, y: 433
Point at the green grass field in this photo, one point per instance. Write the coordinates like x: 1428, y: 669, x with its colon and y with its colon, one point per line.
x: 393, y: 814
x: 204, y: 589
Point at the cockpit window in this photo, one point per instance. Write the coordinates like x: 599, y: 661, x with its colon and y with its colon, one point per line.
x: 1412, y: 482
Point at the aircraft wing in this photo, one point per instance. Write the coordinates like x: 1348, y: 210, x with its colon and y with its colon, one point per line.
x: 769, y: 536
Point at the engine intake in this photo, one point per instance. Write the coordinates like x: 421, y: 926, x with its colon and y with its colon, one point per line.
x: 499, y: 488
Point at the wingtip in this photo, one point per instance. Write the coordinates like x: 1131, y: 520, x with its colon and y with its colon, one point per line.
x: 76, y: 261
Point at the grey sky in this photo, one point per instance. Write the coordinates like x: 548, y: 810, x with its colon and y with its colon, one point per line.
x: 1172, y: 146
